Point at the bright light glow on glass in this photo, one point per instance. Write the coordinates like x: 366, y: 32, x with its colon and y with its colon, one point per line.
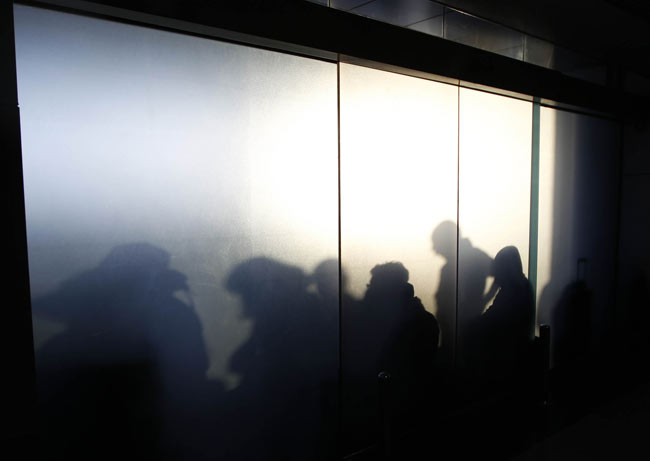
x: 213, y: 152
x: 493, y: 200
x: 398, y: 174
x: 494, y: 172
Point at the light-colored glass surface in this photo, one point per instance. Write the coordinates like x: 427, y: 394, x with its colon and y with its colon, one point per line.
x: 494, y: 193
x: 398, y: 174
x: 150, y: 150
x: 577, y: 228
x: 398, y: 184
x: 495, y: 158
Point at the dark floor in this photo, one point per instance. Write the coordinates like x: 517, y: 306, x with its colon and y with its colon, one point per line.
x: 618, y: 430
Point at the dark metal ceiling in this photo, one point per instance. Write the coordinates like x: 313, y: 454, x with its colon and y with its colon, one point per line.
x: 616, y: 32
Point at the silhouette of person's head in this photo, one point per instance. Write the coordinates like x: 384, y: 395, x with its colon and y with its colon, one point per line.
x: 266, y: 285
x: 507, y: 267
x: 137, y: 256
x: 144, y: 268
x: 389, y: 280
x: 145, y: 262
x: 326, y: 276
x: 126, y: 281
x: 444, y: 239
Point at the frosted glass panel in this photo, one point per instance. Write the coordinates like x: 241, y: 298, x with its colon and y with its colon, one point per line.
x: 578, y: 192
x: 181, y: 199
x: 494, y: 213
x: 398, y: 184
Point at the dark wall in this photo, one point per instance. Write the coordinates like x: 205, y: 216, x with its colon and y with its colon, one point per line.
x: 634, y: 247
x: 16, y: 333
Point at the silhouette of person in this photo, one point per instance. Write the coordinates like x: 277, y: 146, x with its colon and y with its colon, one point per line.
x: 571, y: 319
x: 444, y: 244
x: 129, y: 370
x: 476, y: 267
x: 502, y: 349
x: 326, y: 278
x: 505, y: 331
x: 397, y: 335
x: 276, y: 411
x: 326, y: 312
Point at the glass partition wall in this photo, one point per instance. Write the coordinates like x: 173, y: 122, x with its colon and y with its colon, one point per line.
x: 237, y: 253
x: 182, y: 220
x: 399, y: 163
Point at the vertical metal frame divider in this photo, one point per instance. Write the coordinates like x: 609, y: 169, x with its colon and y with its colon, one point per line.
x: 453, y: 354
x: 534, y: 200
x: 339, y: 430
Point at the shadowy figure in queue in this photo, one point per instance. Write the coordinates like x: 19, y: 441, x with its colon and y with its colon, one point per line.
x: 505, y: 331
x: 570, y: 349
x: 126, y: 378
x: 472, y: 299
x: 571, y: 320
x: 290, y: 358
x: 394, y: 334
x: 326, y: 279
x: 567, y: 308
x: 503, y: 352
